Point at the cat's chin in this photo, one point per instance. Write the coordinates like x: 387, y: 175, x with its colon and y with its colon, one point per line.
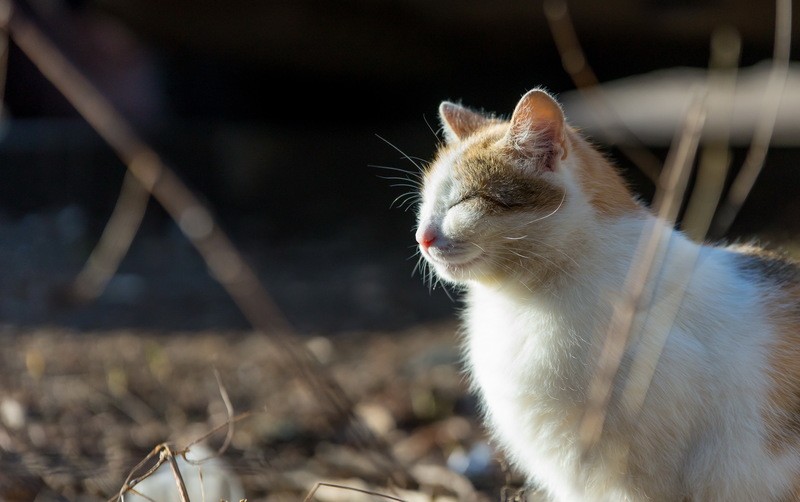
x: 457, y: 272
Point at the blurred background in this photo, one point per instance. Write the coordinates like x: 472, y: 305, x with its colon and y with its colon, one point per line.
x: 274, y: 112
x: 278, y: 115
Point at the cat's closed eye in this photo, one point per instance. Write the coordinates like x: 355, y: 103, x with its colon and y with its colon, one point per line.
x: 483, y: 198
x: 470, y: 197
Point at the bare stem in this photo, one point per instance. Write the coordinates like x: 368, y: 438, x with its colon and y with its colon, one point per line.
x: 115, y: 241
x: 756, y: 155
x: 574, y: 61
x: 715, y: 157
x: 670, y: 190
x: 176, y: 473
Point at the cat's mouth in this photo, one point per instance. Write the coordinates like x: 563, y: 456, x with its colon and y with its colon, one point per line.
x: 453, y: 262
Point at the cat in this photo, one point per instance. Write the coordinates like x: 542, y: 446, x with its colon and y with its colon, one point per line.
x: 540, y: 231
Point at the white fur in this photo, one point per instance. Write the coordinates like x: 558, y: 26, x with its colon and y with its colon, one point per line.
x: 685, y: 416
x: 699, y: 431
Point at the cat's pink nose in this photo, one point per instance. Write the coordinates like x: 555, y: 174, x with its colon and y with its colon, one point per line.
x: 426, y: 237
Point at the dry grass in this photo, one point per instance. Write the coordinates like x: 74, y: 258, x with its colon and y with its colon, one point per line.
x: 95, y: 404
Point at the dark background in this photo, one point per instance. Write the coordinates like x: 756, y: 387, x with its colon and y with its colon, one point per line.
x: 274, y: 112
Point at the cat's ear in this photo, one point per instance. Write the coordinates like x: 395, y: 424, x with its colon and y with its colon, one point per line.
x: 538, y: 130
x: 459, y: 122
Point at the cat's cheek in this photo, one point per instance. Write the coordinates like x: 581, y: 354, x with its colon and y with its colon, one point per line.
x: 461, y: 223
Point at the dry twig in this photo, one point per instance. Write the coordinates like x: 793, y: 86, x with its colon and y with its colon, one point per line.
x: 756, y: 155
x: 319, y: 485
x: 576, y: 65
x: 165, y: 456
x: 715, y: 158
x: 176, y: 472
x: 5, y: 13
x: 132, y: 480
x: 670, y: 190
x: 115, y: 241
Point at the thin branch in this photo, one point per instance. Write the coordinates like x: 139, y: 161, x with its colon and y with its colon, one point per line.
x: 229, y: 409
x: 216, y: 429
x: 670, y: 190
x: 715, y: 158
x: 115, y: 241
x: 228, y: 423
x: 176, y: 472
x: 5, y: 14
x: 131, y: 481
x: 573, y: 59
x: 757, y: 154
x: 318, y: 485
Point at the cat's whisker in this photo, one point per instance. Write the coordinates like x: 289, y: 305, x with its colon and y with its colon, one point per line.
x: 554, y: 211
x: 401, y: 152
x: 556, y: 249
x: 526, y: 224
x: 403, y: 185
x: 478, y: 246
x: 407, y: 199
x: 436, y: 133
x: 431, y: 276
x: 527, y: 254
x: 409, y: 203
x: 408, y: 182
x: 411, y: 182
x: 418, y: 266
x: 532, y: 240
x: 446, y: 291
x: 423, y: 162
x: 416, y: 174
x: 515, y: 272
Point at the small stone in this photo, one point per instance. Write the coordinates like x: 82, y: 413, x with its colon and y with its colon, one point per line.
x: 12, y: 413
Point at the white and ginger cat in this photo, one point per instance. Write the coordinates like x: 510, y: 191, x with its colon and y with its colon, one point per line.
x: 540, y: 231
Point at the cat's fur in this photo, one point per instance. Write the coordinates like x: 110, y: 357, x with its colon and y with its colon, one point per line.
x: 541, y: 232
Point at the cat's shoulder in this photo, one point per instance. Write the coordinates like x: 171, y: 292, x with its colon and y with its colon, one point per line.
x: 769, y: 264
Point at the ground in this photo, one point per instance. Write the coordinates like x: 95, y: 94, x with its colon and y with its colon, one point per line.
x: 81, y: 409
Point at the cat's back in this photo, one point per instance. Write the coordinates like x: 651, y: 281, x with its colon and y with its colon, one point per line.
x: 772, y: 269
x: 777, y: 278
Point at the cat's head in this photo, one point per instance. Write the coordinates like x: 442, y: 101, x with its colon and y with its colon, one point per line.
x: 503, y: 200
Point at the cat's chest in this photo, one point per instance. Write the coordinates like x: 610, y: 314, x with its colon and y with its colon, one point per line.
x: 527, y: 363
x: 524, y: 352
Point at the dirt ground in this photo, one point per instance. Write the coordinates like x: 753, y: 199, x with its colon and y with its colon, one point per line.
x: 81, y: 409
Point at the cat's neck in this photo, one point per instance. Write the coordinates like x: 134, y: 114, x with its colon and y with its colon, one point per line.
x: 602, y: 186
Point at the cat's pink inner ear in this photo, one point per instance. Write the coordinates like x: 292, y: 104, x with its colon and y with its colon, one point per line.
x: 459, y: 122
x: 538, y: 128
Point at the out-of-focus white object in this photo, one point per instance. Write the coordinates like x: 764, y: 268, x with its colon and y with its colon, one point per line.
x: 211, y: 480
x: 653, y: 106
